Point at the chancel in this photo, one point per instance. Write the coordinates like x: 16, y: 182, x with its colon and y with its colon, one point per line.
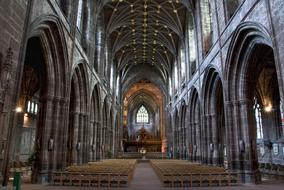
x: 141, y: 93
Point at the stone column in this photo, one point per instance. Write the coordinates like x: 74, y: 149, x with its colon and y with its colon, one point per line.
x: 233, y: 133
x: 55, y: 134
x: 63, y: 133
x: 86, y: 138
x: 198, y: 153
x: 210, y: 138
x: 241, y: 146
x: 101, y: 140
x: 190, y: 141
x: 95, y: 143
x: 81, y: 138
x: 248, y: 133
x: 75, y: 154
x: 215, y: 143
x: 204, y: 139
x: 91, y: 139
x: 44, y: 129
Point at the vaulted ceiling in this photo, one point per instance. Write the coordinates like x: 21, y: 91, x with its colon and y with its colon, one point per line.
x: 144, y: 33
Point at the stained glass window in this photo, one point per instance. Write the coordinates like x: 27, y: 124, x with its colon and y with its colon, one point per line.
x: 79, y: 14
x: 142, y: 115
x: 99, y: 40
x: 206, y: 25
x: 117, y: 85
x: 111, y: 77
x: 32, y: 107
x: 182, y: 61
x: 170, y: 86
x: 175, y: 75
x: 192, y: 43
x: 282, y: 119
x: 258, y: 119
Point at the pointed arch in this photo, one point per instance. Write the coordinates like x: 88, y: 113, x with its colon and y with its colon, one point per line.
x: 47, y: 31
x: 246, y: 36
x: 195, y: 146
x: 214, y: 119
x: 250, y: 62
x: 50, y: 31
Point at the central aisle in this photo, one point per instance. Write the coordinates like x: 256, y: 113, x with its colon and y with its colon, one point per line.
x: 145, y: 178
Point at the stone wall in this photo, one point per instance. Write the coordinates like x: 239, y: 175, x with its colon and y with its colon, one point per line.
x: 262, y: 15
x: 13, y: 18
x: 68, y: 54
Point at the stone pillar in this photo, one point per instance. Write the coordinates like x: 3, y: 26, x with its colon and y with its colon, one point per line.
x: 210, y: 144
x: 241, y: 137
x: 63, y: 133
x: 190, y: 141
x: 86, y: 137
x: 231, y: 139
x: 75, y: 154
x: 215, y: 143
x: 204, y: 139
x: 40, y: 173
x: 81, y: 138
x: 54, y: 151
x: 184, y: 142
x: 101, y: 140
x: 95, y: 142
x: 198, y: 153
x: 91, y: 139
x: 248, y: 132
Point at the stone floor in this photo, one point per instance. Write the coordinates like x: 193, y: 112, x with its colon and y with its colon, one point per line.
x: 146, y: 178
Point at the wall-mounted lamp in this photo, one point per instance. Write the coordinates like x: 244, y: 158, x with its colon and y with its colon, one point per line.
x: 19, y: 109
x: 268, y: 108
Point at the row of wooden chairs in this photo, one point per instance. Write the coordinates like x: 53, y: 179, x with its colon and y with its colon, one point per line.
x: 91, y: 179
x: 108, y: 173
x: 185, y: 174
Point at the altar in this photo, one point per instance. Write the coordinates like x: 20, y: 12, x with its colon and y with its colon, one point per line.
x: 143, y: 141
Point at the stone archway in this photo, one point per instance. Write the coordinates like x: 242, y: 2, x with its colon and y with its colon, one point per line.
x: 94, y: 124
x: 176, y: 135
x: 214, y: 119
x: 195, y: 143
x: 150, y: 95
x: 32, y: 100
x: 253, y: 99
x: 105, y: 129
x: 78, y: 140
x: 43, y: 100
x: 182, y: 131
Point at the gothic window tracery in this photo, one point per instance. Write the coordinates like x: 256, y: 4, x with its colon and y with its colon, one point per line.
x: 142, y: 115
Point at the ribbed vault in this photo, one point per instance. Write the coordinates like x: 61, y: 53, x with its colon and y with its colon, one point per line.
x: 144, y: 32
